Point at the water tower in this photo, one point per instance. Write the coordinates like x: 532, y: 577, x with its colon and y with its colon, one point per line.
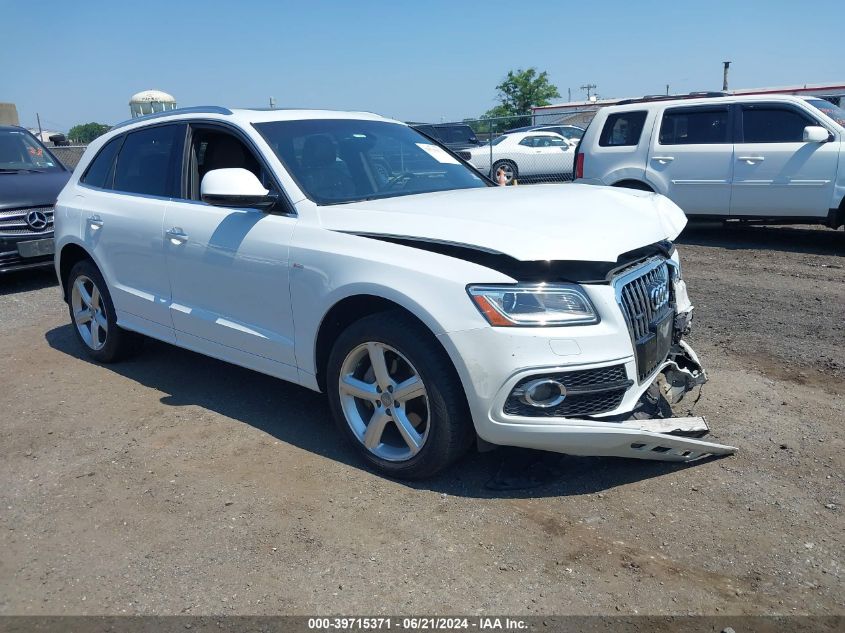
x: 150, y: 101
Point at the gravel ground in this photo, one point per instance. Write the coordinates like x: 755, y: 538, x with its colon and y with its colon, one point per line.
x: 177, y: 484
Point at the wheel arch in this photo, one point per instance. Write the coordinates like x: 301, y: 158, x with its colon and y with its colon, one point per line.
x: 632, y: 183
x: 345, y: 312
x: 69, y: 255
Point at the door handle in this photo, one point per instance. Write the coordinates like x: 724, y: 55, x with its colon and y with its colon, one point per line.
x: 663, y: 159
x: 176, y: 236
x: 95, y: 222
x: 751, y: 159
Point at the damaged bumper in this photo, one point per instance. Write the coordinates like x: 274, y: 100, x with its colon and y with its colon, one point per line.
x: 624, y: 428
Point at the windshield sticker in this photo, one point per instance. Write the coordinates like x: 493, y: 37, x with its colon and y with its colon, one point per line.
x: 438, y: 154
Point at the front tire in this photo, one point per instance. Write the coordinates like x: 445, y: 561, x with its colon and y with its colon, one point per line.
x: 394, y: 393
x: 510, y: 169
x: 93, y: 316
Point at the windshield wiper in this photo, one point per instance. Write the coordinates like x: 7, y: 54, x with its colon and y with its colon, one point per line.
x: 17, y: 170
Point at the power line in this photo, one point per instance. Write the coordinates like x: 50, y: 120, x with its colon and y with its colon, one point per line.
x: 588, y: 88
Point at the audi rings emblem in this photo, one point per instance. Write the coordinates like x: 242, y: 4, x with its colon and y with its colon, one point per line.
x: 658, y: 295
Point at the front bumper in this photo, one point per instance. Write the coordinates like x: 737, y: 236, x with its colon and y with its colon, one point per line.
x: 492, y: 361
x: 11, y: 257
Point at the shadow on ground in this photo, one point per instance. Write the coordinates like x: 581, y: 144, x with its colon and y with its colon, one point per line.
x: 301, y: 417
x: 27, y: 280
x: 736, y: 236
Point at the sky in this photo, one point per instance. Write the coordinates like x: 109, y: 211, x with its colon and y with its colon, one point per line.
x: 77, y: 62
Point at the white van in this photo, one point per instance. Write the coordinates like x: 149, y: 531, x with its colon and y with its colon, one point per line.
x: 773, y: 158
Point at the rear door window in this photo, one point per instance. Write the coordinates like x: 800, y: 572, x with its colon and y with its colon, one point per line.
x: 622, y: 129
x: 149, y: 162
x: 695, y: 126
x: 99, y: 172
x: 773, y: 124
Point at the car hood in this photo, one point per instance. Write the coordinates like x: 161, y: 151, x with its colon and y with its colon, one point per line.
x: 26, y: 189
x: 529, y: 223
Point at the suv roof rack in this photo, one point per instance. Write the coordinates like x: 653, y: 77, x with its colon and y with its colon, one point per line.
x: 190, y: 110
x: 690, y: 95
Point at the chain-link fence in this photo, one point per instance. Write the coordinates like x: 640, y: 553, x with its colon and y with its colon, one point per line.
x: 517, y: 149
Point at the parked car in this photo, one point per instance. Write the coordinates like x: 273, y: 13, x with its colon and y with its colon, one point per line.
x: 30, y: 179
x: 431, y: 306
x: 772, y: 158
x: 455, y: 136
x: 524, y: 155
x: 572, y: 133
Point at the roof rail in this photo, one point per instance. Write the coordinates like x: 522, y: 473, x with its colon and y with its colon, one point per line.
x: 190, y: 110
x: 690, y: 95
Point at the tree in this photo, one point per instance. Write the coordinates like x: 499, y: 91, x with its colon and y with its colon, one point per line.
x: 84, y: 133
x: 517, y: 93
x: 525, y: 88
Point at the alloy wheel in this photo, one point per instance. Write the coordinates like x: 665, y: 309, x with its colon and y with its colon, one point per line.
x: 508, y: 170
x: 384, y: 401
x: 89, y: 314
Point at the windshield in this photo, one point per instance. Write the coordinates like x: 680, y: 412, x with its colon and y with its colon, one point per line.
x: 19, y: 151
x: 833, y: 111
x: 345, y: 160
x: 498, y: 139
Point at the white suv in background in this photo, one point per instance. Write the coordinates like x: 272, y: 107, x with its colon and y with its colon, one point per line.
x: 775, y: 158
x: 347, y: 253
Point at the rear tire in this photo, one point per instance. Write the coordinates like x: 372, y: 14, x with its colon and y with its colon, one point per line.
x: 93, y: 317
x: 396, y: 396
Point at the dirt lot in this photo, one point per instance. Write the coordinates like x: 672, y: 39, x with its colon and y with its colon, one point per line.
x: 176, y: 484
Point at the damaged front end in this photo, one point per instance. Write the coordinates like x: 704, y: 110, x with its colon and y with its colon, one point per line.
x: 662, y: 436
x: 654, y: 302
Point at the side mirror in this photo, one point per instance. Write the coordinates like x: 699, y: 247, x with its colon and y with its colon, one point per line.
x: 235, y: 187
x: 816, y: 134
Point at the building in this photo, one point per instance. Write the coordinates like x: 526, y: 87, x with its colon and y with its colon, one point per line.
x: 9, y: 114
x: 44, y: 135
x: 150, y: 101
x: 580, y: 113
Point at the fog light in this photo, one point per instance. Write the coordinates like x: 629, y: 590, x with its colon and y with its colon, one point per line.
x: 543, y: 393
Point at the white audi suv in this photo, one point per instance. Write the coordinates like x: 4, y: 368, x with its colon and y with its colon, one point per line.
x: 349, y: 254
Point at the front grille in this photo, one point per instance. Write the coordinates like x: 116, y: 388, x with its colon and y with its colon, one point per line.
x: 464, y: 155
x: 588, y: 392
x: 645, y: 296
x: 14, y: 221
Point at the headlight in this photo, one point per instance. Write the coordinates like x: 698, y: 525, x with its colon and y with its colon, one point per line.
x: 534, y: 305
x: 675, y: 265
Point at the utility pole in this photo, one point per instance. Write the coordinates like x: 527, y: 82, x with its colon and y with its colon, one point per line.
x: 725, y: 77
x: 38, y: 118
x: 588, y: 88
x: 569, y: 94
x: 272, y: 103
x: 667, y: 90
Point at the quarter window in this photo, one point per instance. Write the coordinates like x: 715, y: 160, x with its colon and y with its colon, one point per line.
x: 694, y: 126
x: 773, y: 125
x: 622, y: 129
x: 99, y: 172
x: 147, y: 163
